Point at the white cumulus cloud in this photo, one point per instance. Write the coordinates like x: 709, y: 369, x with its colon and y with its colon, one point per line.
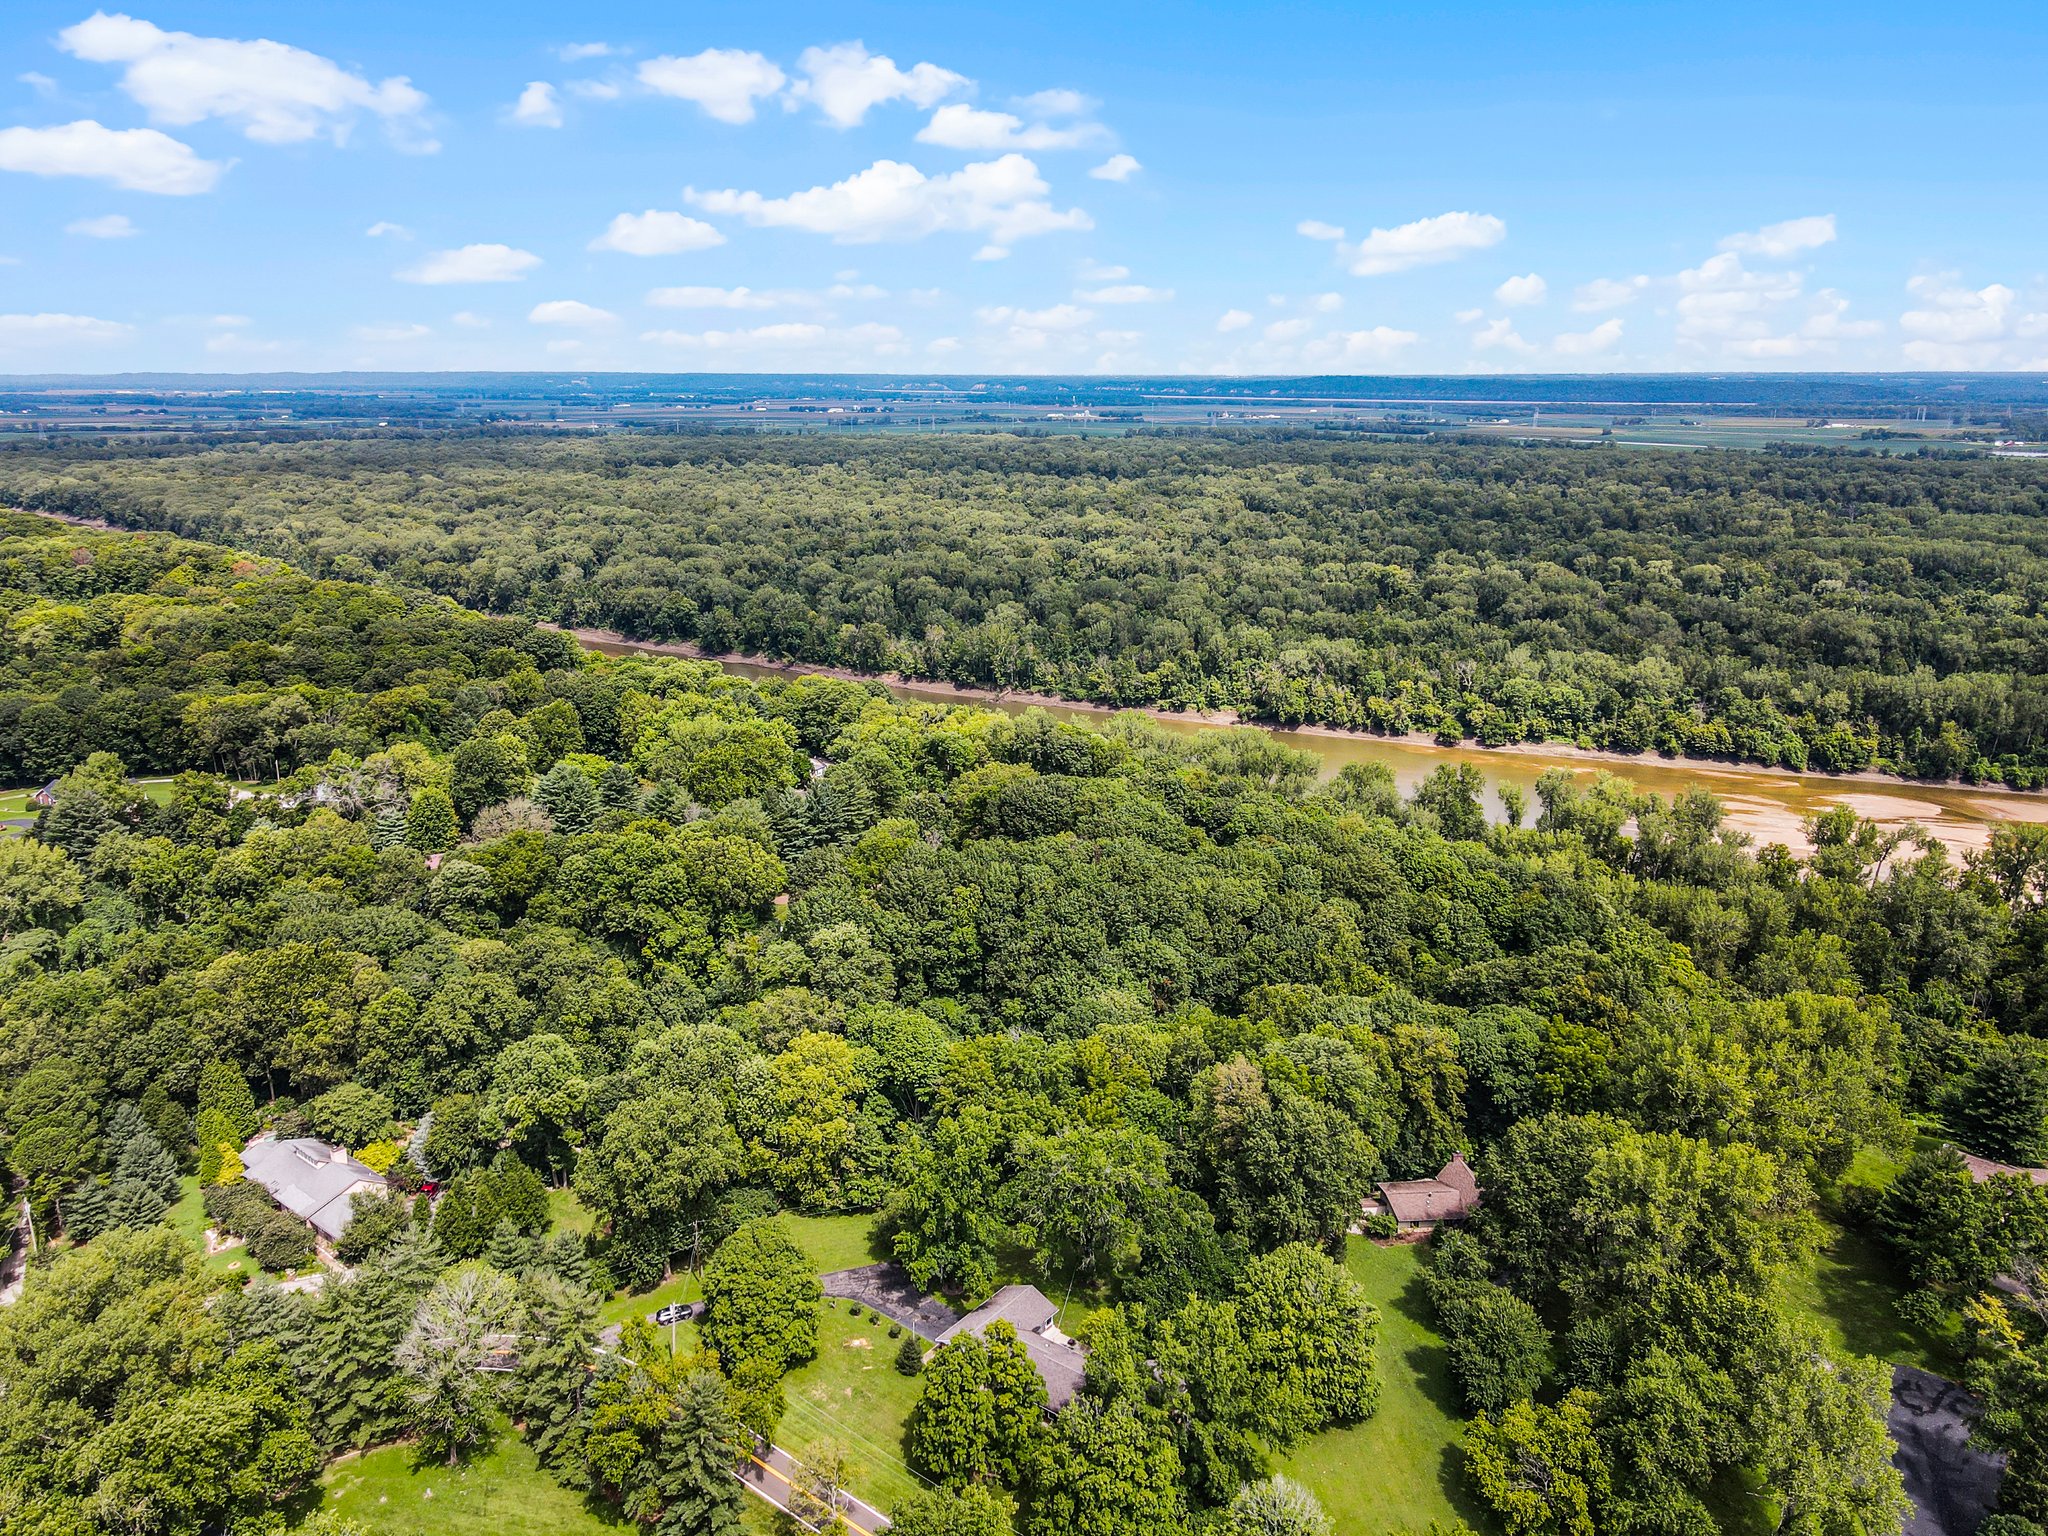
x: 1380, y: 344
x: 844, y: 82
x: 1003, y: 200
x: 959, y: 126
x: 385, y: 227
x: 275, y: 93
x: 1602, y: 338
x: 1500, y: 335
x: 1316, y: 229
x: 1954, y: 326
x: 725, y: 82
x: 1789, y: 238
x: 575, y: 53
x: 472, y: 264
x: 691, y: 297
x: 1117, y: 168
x: 537, y: 107
x: 58, y: 330
x: 657, y: 232
x: 1528, y: 289
x: 134, y: 159
x: 1444, y: 237
x: 1056, y: 317
x: 569, y: 312
x: 813, y: 342
x: 108, y: 226
x: 1608, y: 293
x: 1126, y: 293
x: 1233, y: 320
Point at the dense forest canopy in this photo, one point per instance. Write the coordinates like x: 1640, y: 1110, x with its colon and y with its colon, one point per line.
x: 1137, y: 1015
x: 1828, y: 611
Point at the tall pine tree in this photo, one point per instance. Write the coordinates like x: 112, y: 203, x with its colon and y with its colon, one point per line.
x: 557, y: 1339
x: 700, y: 1447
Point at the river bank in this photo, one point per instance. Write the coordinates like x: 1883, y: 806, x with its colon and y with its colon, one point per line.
x: 1769, y: 805
x: 1560, y: 752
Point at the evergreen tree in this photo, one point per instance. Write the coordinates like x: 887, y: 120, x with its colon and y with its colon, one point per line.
x: 910, y: 1356
x: 374, y: 1224
x: 352, y: 1341
x: 508, y: 1251
x: 223, y: 1089
x: 86, y: 1211
x: 166, y: 1117
x: 430, y: 824
x: 618, y: 788
x: 564, y: 1255
x: 700, y: 1446
x: 218, y: 1141
x: 2001, y: 1108
x: 390, y: 826
x: 565, y: 793
x: 557, y: 1334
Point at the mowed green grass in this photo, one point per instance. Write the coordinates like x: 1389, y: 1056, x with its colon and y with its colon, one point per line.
x: 1403, y: 1467
x: 1851, y: 1290
x: 836, y: 1242
x: 503, y: 1493
x: 828, y: 1242
x: 852, y: 1396
x: 188, y: 1217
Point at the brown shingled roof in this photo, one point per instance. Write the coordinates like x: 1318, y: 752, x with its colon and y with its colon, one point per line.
x: 1451, y: 1196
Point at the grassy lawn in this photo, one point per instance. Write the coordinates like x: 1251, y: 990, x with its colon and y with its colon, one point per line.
x: 852, y: 1395
x: 568, y: 1214
x: 829, y: 1242
x: 189, y: 1217
x: 835, y: 1242
x: 1849, y: 1289
x: 502, y: 1494
x: 683, y: 1287
x: 1402, y: 1468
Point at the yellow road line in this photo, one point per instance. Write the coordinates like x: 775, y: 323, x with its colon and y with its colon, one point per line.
x: 851, y: 1525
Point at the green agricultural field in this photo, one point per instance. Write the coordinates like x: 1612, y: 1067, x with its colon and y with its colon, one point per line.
x: 504, y: 1493
x: 1402, y: 1468
x: 853, y: 1396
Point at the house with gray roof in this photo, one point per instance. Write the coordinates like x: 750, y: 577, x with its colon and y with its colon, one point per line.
x: 316, y: 1182
x: 1060, y: 1361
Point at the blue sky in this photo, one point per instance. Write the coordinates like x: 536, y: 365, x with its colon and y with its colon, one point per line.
x: 1023, y: 188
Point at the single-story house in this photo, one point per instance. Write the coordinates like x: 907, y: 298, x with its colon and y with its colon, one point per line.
x: 47, y: 795
x: 316, y: 1182
x: 1982, y: 1168
x: 1061, y: 1362
x: 1420, y: 1205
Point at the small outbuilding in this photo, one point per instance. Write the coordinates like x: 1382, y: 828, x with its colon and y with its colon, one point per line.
x: 1060, y: 1361
x: 1422, y: 1205
x: 316, y: 1182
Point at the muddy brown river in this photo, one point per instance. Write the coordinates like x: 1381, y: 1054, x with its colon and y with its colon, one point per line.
x: 1770, y: 805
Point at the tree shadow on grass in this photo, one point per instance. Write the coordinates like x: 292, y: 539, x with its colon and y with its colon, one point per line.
x: 1430, y: 1365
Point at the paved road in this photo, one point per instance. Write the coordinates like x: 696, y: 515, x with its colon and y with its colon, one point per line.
x: 771, y: 1474
x: 14, y: 1259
